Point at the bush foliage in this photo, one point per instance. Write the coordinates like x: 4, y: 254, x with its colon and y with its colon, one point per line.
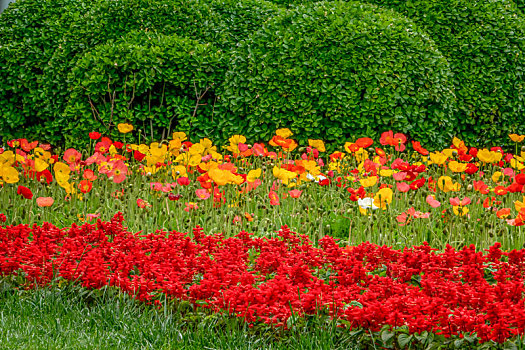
x: 457, y: 69
x: 337, y: 69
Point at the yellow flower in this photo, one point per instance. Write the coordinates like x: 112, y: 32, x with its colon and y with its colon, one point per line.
x: 284, y: 175
x: 196, y: 149
x: 219, y: 176
x: 438, y: 158
x: 179, y: 135
x: 457, y: 167
x: 253, y: 175
x: 516, y: 164
x: 446, y: 184
x: 40, y: 165
x: 487, y: 156
x: 516, y: 137
x: 496, y: 176
x: 318, y: 144
x: 361, y: 155
x: 383, y: 197
x: 7, y: 158
x: 386, y: 172
x: 208, y: 146
x: 519, y: 205
x: 284, y: 133
x: 464, y: 210
x: 9, y: 174
x: 178, y: 171
x: 459, y: 144
x: 234, y: 143
x: 369, y: 181
x: 125, y: 128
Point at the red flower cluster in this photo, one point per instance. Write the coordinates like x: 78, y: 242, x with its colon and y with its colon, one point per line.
x: 265, y: 280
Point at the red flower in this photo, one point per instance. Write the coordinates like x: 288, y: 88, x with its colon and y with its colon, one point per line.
x: 520, y: 178
x: 94, y: 135
x: 364, y: 142
x: 25, y: 192
x: 418, y: 148
x: 3, y: 218
x: 85, y: 186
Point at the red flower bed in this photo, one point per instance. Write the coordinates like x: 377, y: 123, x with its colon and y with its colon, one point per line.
x: 265, y: 280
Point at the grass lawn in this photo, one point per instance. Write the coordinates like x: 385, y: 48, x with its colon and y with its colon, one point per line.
x: 75, y: 318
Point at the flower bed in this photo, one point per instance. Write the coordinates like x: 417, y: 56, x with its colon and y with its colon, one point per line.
x: 478, y: 295
x: 391, y: 192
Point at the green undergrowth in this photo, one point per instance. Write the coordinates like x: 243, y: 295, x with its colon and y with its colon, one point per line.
x: 67, y: 316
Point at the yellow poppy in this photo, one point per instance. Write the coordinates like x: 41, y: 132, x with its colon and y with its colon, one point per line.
x: 318, y: 144
x: 368, y: 181
x: 124, y: 128
x: 457, y: 167
x: 383, y: 197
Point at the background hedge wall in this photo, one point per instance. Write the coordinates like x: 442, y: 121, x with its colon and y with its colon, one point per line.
x: 333, y: 69
x: 430, y: 68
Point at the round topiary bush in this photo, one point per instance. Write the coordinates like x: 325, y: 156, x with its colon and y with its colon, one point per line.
x: 484, y: 42
x: 335, y: 69
x: 42, y: 41
x: 149, y: 79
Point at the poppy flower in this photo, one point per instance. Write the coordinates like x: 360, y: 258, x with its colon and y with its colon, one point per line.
x: 3, y: 218
x: 402, y: 187
x: 141, y: 203
x: 174, y: 197
x: 202, y: 193
x: 417, y: 184
x: 503, y: 213
x: 190, y: 206
x: 418, y: 148
x: 89, y: 175
x: 45, y: 201
x: 383, y: 197
x: 85, y: 186
x: 295, y: 193
x: 274, y: 198
x: 94, y: 135
x: 431, y: 200
x: 24, y: 192
x: 500, y: 190
x: 124, y: 128
x: 183, y: 181
x: 317, y: 144
x: 364, y: 142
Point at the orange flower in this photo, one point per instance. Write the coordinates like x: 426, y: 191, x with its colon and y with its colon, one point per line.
x: 516, y: 137
x: 44, y: 201
x: 125, y: 128
x: 85, y: 186
x: 503, y: 213
x: 295, y: 193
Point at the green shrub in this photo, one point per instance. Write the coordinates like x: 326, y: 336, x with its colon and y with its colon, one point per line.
x: 337, y: 69
x: 42, y: 41
x: 149, y: 79
x: 484, y: 42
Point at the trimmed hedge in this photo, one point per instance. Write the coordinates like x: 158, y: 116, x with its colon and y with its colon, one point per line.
x: 42, y: 42
x: 484, y: 42
x: 147, y: 78
x: 334, y: 70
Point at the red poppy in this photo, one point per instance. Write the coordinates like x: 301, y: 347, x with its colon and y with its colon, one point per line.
x: 85, y: 186
x: 520, y: 178
x: 94, y: 135
x: 418, y: 183
x: 418, y: 148
x: 500, y: 190
x: 364, y: 142
x: 24, y: 192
